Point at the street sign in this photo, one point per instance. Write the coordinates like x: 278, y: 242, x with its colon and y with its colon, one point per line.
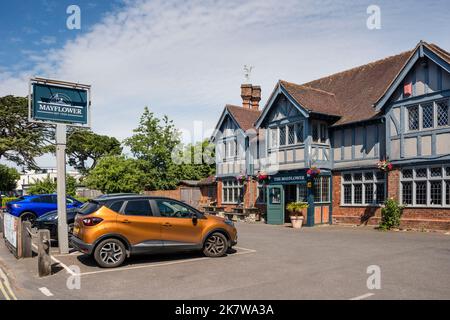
x: 60, y: 103
x: 53, y: 101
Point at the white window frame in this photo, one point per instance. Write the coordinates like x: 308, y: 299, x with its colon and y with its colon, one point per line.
x: 320, y: 125
x: 274, y: 135
x: 420, y: 115
x: 231, y: 184
x: 443, y: 178
x: 375, y: 182
x: 321, y: 178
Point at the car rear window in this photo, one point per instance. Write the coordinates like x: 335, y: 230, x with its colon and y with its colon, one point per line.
x: 138, y: 208
x: 115, y: 206
x: 89, y: 207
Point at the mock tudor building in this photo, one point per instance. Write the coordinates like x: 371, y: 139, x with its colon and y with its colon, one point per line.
x: 395, y: 109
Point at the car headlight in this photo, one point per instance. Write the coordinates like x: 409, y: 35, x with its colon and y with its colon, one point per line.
x: 229, y: 222
x: 51, y: 218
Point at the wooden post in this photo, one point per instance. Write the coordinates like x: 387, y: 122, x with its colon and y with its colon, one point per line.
x: 44, y: 259
x: 27, y: 250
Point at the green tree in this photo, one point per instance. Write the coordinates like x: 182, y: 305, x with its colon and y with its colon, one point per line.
x: 20, y: 141
x: 8, y: 178
x: 152, y: 144
x: 48, y: 185
x: 198, y: 161
x: 114, y: 174
x: 85, y: 148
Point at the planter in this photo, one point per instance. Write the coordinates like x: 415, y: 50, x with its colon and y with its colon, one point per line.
x: 296, y: 221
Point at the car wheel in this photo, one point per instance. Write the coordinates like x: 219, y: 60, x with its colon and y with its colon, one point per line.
x: 28, y: 216
x: 110, y: 253
x: 216, y: 245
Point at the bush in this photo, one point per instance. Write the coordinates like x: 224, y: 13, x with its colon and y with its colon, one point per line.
x: 5, y: 200
x: 296, y: 208
x: 391, y: 214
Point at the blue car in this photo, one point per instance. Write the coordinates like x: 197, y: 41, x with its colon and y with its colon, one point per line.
x: 31, y: 207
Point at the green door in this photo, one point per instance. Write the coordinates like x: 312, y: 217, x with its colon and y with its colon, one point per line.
x: 275, y: 204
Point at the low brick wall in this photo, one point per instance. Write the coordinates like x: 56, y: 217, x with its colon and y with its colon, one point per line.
x: 414, y: 218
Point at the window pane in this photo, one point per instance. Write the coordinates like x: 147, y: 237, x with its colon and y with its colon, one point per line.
x: 275, y: 196
x: 436, y: 172
x: 315, y: 132
x: 317, y: 189
x: 358, y: 193
x: 325, y: 189
x: 368, y: 176
x: 421, y: 173
x: 282, y: 136
x: 447, y: 171
x: 348, y: 177
x: 172, y: 209
x: 407, y: 192
x: 347, y: 194
x: 413, y: 118
x: 299, y: 132
x: 301, y: 195
x: 407, y: 173
x: 447, y: 192
x: 274, y: 137
x: 421, y: 192
x: 442, y: 113
x: 427, y: 116
x: 357, y: 177
x: 380, y: 194
x: 380, y: 176
x: 138, y: 208
x: 368, y: 189
x: 291, y: 134
x: 323, y: 132
x: 116, y: 206
x: 436, y: 192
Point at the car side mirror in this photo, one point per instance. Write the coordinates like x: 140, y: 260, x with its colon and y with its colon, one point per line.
x: 194, y: 218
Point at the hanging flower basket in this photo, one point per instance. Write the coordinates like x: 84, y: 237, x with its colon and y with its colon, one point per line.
x: 262, y: 177
x: 385, y: 165
x: 241, y: 178
x: 313, y: 171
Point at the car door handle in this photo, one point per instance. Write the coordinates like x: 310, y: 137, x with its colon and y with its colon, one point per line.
x: 125, y: 221
x: 167, y: 224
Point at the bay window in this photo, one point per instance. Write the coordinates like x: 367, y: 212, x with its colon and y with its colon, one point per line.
x: 286, y: 135
x: 428, y: 115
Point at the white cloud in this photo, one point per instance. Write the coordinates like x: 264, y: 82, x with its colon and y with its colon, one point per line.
x: 185, y: 59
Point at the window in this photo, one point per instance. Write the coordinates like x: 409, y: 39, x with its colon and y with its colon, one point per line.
x: 426, y: 186
x: 413, y: 118
x: 428, y: 115
x: 173, y: 209
x: 115, y: 206
x: 302, y: 193
x: 282, y: 135
x: 363, y: 188
x: 319, y: 132
x: 286, y: 135
x: 321, y: 189
x: 231, y: 191
x: 275, y: 195
x: 442, y: 113
x: 261, y: 193
x: 138, y: 208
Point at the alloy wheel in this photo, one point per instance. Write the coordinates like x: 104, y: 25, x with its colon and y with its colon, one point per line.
x: 215, y: 245
x: 111, y: 253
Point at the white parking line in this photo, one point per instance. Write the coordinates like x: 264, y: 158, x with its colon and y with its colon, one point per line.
x: 3, y: 291
x: 46, y: 292
x: 59, y: 262
x: 6, y: 286
x: 363, y: 296
x: 247, y: 251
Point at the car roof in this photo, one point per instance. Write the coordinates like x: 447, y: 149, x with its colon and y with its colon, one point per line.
x: 130, y: 197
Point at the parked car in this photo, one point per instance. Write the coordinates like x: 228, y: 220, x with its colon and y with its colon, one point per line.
x: 112, y: 229
x: 49, y: 220
x: 31, y: 207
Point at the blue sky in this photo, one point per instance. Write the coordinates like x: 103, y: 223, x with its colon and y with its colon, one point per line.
x: 185, y: 58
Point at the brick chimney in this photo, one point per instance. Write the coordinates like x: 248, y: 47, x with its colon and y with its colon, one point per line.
x: 256, y: 97
x: 251, y: 96
x: 246, y: 95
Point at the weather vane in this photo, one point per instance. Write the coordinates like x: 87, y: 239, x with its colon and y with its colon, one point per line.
x: 247, y: 73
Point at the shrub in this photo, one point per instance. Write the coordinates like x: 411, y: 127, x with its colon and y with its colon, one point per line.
x: 5, y: 200
x: 296, y: 208
x: 391, y: 214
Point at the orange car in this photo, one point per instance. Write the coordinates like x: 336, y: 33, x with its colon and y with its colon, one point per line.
x: 113, y: 228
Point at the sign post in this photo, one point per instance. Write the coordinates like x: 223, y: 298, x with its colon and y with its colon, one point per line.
x: 62, y: 104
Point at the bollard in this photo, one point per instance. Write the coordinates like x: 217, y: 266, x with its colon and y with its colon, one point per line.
x: 2, y: 226
x: 27, y: 240
x: 44, y: 259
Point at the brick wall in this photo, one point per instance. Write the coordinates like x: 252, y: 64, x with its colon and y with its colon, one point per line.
x: 416, y: 218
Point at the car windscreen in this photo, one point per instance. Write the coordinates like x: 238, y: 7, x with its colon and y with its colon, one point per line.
x: 89, y: 207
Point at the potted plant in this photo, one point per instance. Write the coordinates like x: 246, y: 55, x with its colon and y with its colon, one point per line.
x: 241, y: 178
x: 262, y: 177
x: 295, y: 210
x: 313, y: 171
x: 385, y: 165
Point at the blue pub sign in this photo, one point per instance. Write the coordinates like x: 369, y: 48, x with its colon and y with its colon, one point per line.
x: 60, y: 104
